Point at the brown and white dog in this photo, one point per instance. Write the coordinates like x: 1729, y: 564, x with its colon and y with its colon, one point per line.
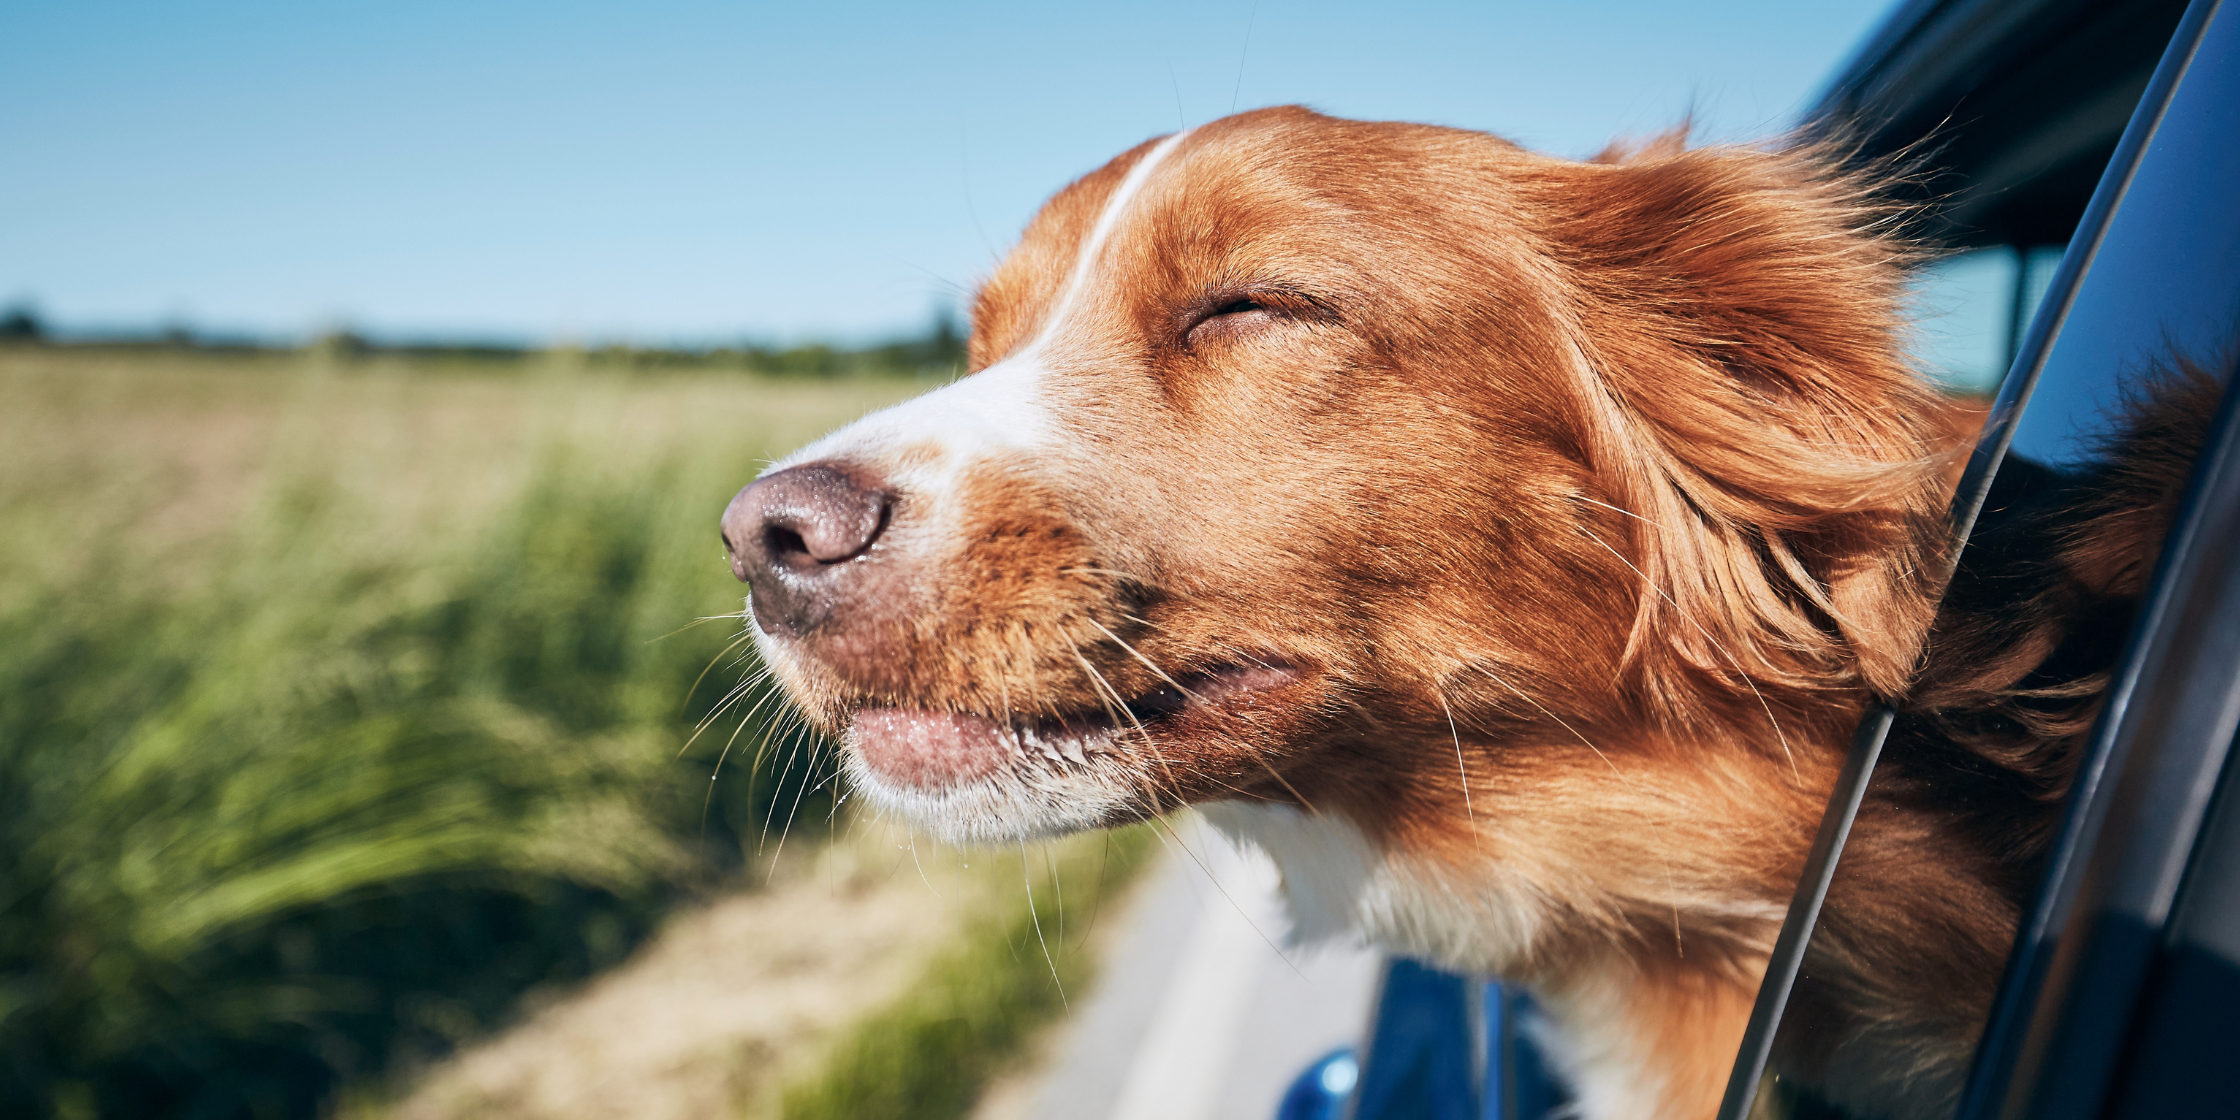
x: 1506, y: 544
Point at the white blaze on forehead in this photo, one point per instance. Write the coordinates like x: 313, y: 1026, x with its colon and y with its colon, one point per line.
x: 1100, y: 233
x: 998, y: 409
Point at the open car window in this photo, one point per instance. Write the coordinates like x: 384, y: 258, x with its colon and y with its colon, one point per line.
x: 2121, y: 929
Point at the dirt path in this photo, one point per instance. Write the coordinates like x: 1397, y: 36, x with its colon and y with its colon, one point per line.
x: 729, y: 999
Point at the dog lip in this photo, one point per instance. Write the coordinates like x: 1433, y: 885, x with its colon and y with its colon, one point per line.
x: 929, y: 749
x: 1213, y: 686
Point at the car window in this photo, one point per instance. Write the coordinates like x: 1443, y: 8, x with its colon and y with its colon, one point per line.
x: 2140, y: 316
x: 1972, y: 309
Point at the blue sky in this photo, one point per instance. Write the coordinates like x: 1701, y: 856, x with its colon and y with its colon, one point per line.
x: 694, y: 172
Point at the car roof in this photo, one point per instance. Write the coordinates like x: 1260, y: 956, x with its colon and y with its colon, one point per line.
x: 2016, y: 105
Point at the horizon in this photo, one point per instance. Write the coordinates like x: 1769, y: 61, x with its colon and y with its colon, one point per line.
x: 690, y: 174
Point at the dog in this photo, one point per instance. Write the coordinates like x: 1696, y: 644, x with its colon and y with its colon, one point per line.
x: 1508, y: 545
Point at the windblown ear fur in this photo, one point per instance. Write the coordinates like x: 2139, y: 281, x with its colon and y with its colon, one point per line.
x: 2026, y: 640
x: 1744, y: 393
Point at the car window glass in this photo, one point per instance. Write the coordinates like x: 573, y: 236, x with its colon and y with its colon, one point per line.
x: 1970, y: 311
x: 2153, y: 320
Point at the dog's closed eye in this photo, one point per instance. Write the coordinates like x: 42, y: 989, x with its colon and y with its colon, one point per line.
x: 1233, y: 316
x: 1228, y: 320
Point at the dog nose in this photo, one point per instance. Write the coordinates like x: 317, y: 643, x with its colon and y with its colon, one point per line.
x: 790, y: 537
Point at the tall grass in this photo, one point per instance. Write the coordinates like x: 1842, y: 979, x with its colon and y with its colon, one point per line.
x: 338, y: 774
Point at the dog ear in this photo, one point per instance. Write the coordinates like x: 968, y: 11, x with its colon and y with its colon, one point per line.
x: 1743, y: 389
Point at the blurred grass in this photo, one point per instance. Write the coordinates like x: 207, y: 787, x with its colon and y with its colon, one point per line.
x: 336, y: 708
x: 930, y: 1053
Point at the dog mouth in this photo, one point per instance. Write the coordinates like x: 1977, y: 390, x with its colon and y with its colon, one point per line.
x: 928, y: 750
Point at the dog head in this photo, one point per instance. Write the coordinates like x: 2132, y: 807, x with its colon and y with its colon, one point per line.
x: 1297, y: 453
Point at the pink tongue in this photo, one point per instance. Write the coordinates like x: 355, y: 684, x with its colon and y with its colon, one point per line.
x: 927, y: 750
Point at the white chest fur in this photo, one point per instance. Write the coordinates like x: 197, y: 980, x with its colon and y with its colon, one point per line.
x: 1340, y: 887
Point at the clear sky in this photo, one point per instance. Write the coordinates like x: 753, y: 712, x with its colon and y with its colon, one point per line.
x: 697, y: 172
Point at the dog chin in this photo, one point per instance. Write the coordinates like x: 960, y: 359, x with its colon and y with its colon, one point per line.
x: 1010, y: 804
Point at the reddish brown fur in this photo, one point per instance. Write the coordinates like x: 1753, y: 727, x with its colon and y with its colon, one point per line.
x: 1588, y: 502
x: 1986, y: 746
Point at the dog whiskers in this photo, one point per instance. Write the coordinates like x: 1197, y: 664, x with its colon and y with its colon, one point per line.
x: 1057, y: 890
x: 1118, y: 707
x: 703, y: 620
x: 708, y: 801
x: 761, y: 752
x: 920, y: 866
x: 1627, y: 512
x: 733, y: 697
x: 809, y: 773
x: 785, y: 736
x: 1671, y: 893
x: 1284, y: 782
x: 761, y: 674
x: 1149, y: 742
x: 1159, y: 823
x: 1026, y: 875
x: 1468, y: 812
x: 735, y: 644
x: 1529, y: 699
x: 1133, y: 652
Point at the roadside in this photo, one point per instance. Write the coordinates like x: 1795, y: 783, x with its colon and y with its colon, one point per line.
x: 1201, y: 1011
x: 722, y: 1005
x: 1195, y: 1014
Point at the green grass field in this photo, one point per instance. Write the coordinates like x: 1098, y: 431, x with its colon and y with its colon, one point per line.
x: 341, y: 701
